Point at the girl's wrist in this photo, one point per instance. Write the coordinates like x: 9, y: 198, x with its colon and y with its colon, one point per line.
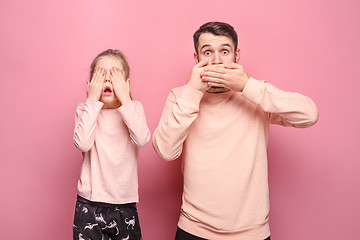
x: 93, y: 97
x: 125, y: 99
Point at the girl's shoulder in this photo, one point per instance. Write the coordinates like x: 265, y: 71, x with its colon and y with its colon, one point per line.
x: 80, y: 106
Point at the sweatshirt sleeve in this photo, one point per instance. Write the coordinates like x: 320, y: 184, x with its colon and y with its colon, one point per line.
x: 283, y: 108
x: 178, y: 115
x: 85, y: 124
x: 134, y: 117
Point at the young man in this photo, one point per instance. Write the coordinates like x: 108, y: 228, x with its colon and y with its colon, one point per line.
x: 219, y: 123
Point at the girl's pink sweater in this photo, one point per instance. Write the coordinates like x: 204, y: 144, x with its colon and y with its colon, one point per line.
x: 109, y: 140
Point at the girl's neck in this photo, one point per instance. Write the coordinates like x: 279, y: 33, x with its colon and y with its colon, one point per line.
x: 111, y: 105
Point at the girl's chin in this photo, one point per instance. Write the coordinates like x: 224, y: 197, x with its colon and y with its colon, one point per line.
x: 108, y: 98
x: 110, y: 102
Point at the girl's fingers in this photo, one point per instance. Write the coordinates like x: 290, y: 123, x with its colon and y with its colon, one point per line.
x: 96, y: 75
x: 100, y: 77
x: 101, y: 80
x: 112, y: 74
x: 112, y: 80
x: 117, y: 73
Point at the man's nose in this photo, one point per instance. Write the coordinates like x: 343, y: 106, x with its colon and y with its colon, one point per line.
x: 216, y: 59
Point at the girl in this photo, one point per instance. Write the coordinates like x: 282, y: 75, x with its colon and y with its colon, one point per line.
x: 109, y: 129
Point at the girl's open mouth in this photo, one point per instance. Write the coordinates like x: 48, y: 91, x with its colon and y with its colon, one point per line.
x: 107, y: 91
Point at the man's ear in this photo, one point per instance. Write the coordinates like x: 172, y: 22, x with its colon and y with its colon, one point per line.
x: 128, y: 83
x: 196, y: 57
x: 237, y: 55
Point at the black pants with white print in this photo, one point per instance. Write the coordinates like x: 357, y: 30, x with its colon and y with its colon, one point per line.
x: 103, y: 221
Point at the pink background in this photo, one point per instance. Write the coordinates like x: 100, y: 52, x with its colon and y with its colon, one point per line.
x: 307, y: 46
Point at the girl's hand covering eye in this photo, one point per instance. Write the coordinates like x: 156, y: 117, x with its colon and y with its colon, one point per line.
x: 94, y: 87
x: 120, y: 85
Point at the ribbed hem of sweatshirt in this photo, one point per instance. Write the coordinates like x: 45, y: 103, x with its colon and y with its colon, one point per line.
x: 257, y: 232
x: 108, y: 200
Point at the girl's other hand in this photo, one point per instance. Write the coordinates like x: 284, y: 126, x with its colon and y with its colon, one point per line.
x: 95, y: 86
x: 121, y: 86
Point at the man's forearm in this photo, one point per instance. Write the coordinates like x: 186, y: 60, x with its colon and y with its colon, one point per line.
x: 178, y: 115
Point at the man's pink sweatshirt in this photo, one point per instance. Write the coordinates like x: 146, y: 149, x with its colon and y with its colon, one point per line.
x: 222, y: 138
x: 109, y: 140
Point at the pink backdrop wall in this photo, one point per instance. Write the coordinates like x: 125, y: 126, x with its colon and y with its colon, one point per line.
x: 307, y: 46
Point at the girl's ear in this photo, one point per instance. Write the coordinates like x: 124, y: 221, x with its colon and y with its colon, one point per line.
x: 128, y: 87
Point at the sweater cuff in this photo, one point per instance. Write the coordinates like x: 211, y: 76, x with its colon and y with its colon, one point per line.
x: 253, y: 89
x: 128, y: 106
x: 191, y: 96
x: 95, y: 103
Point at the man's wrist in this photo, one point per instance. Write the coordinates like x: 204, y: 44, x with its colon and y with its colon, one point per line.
x: 194, y: 88
x: 244, y: 83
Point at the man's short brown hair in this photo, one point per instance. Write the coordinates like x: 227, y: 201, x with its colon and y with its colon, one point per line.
x: 218, y: 29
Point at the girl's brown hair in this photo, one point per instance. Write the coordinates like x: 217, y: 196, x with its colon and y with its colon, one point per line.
x: 111, y: 53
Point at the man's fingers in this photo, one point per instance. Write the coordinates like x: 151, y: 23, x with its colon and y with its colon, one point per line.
x: 215, y: 68
x: 212, y: 74
x: 202, y: 63
x: 212, y: 84
x: 232, y: 65
x: 213, y: 80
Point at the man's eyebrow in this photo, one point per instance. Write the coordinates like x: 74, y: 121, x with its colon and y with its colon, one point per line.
x: 204, y: 46
x: 222, y: 45
x: 226, y: 45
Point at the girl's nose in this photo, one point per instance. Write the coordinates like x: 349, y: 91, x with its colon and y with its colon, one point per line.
x: 107, y: 77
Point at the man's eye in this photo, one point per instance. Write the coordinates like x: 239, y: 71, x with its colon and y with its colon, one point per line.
x: 207, y: 53
x: 225, y: 52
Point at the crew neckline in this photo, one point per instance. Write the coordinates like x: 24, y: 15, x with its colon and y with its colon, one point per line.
x: 222, y: 95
